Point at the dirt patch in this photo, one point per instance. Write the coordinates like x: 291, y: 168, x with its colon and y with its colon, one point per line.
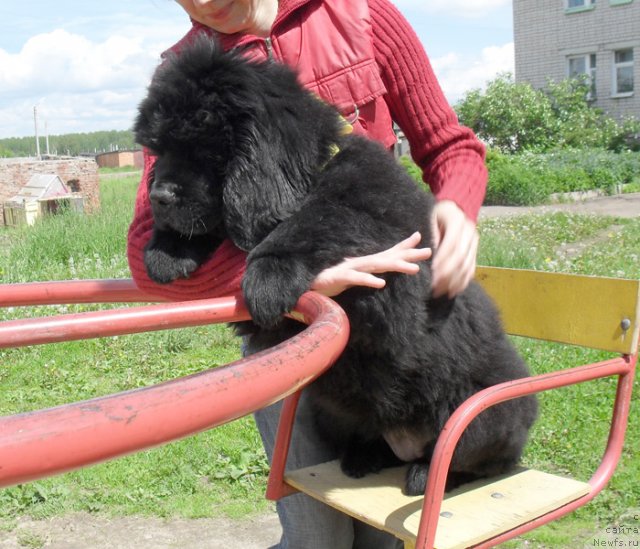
x: 620, y: 205
x: 85, y: 531
x: 574, y: 249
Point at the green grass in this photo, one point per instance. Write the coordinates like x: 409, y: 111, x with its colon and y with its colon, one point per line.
x: 223, y: 471
x: 73, y: 245
x: 122, y: 169
x: 571, y: 432
x: 219, y: 471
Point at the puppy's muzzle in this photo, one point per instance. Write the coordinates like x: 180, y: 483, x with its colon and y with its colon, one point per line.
x: 163, y: 196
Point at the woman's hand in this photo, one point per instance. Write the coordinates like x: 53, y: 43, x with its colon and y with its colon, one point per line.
x: 359, y: 271
x: 456, y: 240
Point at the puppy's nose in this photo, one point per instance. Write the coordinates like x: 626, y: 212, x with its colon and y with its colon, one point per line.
x: 162, y: 197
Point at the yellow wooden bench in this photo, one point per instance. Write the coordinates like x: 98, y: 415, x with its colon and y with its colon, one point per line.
x: 593, y: 312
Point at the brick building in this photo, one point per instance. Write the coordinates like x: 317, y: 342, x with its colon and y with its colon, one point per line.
x: 120, y: 159
x: 557, y: 39
x: 78, y: 175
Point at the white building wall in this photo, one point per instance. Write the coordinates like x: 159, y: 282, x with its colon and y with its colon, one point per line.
x: 546, y: 34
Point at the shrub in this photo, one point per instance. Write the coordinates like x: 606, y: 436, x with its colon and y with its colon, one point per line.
x: 628, y: 136
x: 512, y: 182
x: 508, y: 116
x: 515, y: 117
x: 530, y: 178
x: 412, y: 168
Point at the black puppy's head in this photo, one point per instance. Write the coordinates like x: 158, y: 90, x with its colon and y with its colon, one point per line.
x: 237, y: 142
x: 187, y: 122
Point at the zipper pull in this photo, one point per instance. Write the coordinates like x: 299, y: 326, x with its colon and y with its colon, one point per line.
x: 269, y: 47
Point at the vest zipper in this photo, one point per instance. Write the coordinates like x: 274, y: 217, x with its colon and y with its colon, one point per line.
x: 269, y: 47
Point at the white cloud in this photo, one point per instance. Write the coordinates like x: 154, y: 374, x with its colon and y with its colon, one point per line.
x: 459, y: 74
x: 78, y: 84
x: 60, y: 61
x: 457, y: 8
x: 85, y: 84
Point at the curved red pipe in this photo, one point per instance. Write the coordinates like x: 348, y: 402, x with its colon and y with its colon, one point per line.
x: 46, y: 442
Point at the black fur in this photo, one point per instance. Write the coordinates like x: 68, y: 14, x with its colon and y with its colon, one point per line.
x: 244, y: 152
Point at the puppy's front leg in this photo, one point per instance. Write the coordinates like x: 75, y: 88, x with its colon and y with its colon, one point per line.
x: 169, y: 255
x: 272, y: 286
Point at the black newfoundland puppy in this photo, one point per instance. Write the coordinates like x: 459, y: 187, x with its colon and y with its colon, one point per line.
x: 243, y: 152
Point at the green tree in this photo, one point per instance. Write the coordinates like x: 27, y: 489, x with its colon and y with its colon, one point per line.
x: 509, y: 116
x: 5, y: 153
x: 515, y: 117
x: 579, y: 124
x: 70, y: 144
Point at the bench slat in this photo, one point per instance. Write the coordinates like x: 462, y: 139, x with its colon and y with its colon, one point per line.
x: 472, y: 513
x: 573, y: 309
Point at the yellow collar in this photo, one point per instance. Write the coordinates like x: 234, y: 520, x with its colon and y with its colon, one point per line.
x: 345, y: 130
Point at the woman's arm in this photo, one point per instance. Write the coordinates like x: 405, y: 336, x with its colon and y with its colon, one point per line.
x: 450, y: 156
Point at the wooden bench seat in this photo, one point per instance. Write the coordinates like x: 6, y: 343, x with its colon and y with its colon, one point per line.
x: 470, y: 514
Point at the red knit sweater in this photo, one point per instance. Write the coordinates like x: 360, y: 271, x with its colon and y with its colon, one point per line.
x: 450, y: 156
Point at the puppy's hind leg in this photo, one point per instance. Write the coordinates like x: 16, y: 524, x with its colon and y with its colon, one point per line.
x: 494, y: 441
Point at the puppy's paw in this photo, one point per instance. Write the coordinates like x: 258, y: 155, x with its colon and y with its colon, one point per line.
x: 416, y: 479
x: 271, y: 288
x: 164, y: 268
x: 417, y: 474
x: 361, y: 458
x: 357, y: 464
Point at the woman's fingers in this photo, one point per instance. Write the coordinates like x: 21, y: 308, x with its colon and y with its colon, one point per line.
x: 359, y: 271
x: 454, y: 263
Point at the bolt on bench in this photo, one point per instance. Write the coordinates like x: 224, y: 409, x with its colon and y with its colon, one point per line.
x: 593, y: 312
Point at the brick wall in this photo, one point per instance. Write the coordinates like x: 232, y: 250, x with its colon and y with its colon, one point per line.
x: 120, y: 159
x: 545, y: 35
x: 78, y: 174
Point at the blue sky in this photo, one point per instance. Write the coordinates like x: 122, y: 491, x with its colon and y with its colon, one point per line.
x: 86, y: 64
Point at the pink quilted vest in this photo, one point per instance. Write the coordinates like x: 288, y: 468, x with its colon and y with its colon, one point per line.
x: 329, y: 44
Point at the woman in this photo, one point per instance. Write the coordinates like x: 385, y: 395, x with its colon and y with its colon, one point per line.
x: 363, y: 57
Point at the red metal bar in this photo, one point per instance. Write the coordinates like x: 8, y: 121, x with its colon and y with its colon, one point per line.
x: 46, y: 442
x: 607, y: 465
x: 68, y: 327
x: 73, y: 291
x: 462, y: 417
x: 276, y: 486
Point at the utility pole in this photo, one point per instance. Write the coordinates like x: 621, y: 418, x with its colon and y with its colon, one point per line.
x: 35, y: 122
x: 46, y: 134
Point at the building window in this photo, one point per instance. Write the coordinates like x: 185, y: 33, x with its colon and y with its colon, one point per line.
x: 584, y: 66
x: 579, y: 5
x: 623, y: 72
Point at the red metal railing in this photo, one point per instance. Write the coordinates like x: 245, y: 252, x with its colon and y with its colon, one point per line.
x: 623, y: 367
x: 46, y: 442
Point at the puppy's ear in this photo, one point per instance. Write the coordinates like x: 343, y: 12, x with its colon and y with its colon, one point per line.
x: 260, y: 191
x: 281, y: 137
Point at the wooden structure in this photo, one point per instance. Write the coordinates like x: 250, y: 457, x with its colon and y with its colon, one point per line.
x: 43, y: 194
x: 594, y: 312
x: 601, y: 313
x: 121, y: 159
